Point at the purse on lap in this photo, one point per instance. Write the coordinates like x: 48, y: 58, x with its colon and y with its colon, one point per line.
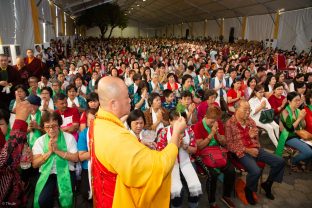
x: 214, y: 156
x: 266, y: 116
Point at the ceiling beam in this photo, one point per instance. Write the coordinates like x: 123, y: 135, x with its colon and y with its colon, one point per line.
x: 76, y: 3
x: 91, y: 6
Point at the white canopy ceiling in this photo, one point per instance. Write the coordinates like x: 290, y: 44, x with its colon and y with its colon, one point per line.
x: 154, y: 13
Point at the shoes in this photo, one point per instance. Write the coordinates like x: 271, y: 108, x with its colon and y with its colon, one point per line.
x: 267, y: 188
x: 249, y: 196
x: 228, y: 202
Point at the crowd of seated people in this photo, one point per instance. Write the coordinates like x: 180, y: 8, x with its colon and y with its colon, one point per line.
x: 222, y: 90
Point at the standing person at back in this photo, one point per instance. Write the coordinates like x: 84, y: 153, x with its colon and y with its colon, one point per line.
x: 126, y: 172
x: 33, y: 64
x: 8, y: 80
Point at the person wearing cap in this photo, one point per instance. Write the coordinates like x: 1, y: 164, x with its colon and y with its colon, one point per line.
x: 34, y: 120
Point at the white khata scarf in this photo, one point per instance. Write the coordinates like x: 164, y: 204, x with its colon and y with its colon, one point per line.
x: 187, y: 170
x: 140, y: 136
x: 70, y: 103
x: 154, y: 117
x: 217, y: 84
x: 189, y: 122
x: 200, y: 80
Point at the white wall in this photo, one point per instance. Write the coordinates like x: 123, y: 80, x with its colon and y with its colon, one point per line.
x: 131, y: 31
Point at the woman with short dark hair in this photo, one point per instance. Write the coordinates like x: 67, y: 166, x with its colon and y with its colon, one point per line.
x: 55, y: 154
x: 136, y: 123
x: 74, y: 100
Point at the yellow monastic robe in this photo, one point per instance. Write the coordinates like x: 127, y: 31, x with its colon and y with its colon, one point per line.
x: 143, y: 175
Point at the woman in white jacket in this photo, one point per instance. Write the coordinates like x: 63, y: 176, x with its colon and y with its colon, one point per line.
x: 259, y: 103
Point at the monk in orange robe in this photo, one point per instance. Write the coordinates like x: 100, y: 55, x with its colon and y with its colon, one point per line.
x: 125, y: 172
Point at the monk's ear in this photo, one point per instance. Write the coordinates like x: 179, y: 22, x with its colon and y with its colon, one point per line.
x: 113, y: 104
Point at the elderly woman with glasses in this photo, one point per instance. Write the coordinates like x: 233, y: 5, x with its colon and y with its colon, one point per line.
x: 55, y: 154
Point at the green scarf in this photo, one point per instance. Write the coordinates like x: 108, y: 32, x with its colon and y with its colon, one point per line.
x: 7, y: 136
x: 36, y: 133
x: 310, y: 107
x: 284, y: 134
x: 190, y: 89
x: 63, y: 175
x: 38, y: 91
x: 61, y: 91
x: 213, y: 141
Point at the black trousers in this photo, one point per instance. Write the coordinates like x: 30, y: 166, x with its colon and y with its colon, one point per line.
x: 48, y: 193
x: 84, y: 189
x: 228, y: 183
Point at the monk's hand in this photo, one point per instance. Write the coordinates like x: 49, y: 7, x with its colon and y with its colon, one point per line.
x: 23, y: 110
x: 179, y: 126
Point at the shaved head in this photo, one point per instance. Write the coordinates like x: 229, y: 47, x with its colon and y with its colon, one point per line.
x: 113, y: 96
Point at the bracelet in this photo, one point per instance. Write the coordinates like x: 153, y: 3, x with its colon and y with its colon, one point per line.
x: 65, y: 155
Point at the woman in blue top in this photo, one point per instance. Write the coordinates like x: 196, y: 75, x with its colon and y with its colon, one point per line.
x: 84, y: 157
x: 141, y: 96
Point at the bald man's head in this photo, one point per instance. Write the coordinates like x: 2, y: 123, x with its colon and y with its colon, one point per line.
x: 20, y: 62
x: 113, y: 96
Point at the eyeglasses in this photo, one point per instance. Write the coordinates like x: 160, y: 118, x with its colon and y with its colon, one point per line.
x: 47, y: 128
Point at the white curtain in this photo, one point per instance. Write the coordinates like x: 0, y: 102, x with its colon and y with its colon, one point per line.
x: 25, y: 27
x: 198, y: 29
x: 232, y: 22
x: 212, y: 29
x: 295, y: 28
x: 7, y: 22
x: 259, y: 27
x: 16, y: 24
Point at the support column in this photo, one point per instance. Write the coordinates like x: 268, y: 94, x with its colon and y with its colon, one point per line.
x: 62, y: 32
x: 244, y: 23
x: 181, y: 29
x: 35, y: 18
x: 52, y: 11
x: 221, y: 27
x: 276, y: 25
x: 205, y: 27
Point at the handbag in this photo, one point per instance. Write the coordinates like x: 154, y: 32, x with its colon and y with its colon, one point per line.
x: 214, y: 156
x: 266, y: 116
x: 304, y: 134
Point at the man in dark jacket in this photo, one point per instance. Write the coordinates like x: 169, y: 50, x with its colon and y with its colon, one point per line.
x: 8, y: 80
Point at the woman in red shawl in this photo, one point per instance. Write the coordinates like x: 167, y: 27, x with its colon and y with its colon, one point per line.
x: 11, y: 185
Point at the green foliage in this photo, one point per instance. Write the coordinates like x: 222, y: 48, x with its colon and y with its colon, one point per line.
x: 180, y: 108
x: 104, y: 16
